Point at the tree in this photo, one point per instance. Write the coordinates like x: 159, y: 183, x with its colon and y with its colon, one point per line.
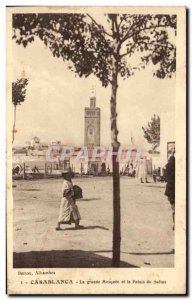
x: 105, y: 51
x: 18, y: 96
x: 152, y: 132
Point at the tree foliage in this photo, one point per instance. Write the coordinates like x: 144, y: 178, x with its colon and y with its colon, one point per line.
x: 152, y: 132
x: 79, y: 38
x: 19, y: 91
x: 18, y: 96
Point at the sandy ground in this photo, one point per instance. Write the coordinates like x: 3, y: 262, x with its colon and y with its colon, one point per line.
x: 147, y: 236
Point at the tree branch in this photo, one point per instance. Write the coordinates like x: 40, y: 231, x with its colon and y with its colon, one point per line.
x: 126, y: 36
x: 152, y: 43
x: 98, y: 25
x: 120, y: 22
x: 116, y: 28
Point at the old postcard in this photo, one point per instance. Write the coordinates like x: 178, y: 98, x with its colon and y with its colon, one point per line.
x: 96, y: 150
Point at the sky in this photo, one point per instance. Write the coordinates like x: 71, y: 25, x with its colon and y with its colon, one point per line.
x: 56, y: 97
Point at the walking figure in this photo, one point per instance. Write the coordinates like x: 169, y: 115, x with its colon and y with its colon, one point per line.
x: 69, y: 212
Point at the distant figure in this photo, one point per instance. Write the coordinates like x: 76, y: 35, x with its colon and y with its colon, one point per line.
x: 35, y: 169
x: 131, y: 170
x: 17, y: 170
x: 103, y: 168
x: 157, y: 175
x: 127, y: 168
x: 170, y: 186
x: 69, y: 212
x: 142, y: 172
x: 108, y: 171
x: 28, y: 169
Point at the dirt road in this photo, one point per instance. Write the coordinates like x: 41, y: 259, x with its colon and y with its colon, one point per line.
x: 147, y: 236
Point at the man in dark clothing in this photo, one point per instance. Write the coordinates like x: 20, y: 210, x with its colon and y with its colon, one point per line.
x: 170, y: 186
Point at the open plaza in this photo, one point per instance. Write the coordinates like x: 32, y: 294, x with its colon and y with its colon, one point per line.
x: 147, y: 238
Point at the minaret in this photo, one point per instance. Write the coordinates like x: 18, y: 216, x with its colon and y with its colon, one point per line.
x: 93, y: 98
x: 92, y: 122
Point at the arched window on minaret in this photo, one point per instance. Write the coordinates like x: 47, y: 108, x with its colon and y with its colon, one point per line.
x: 90, y: 134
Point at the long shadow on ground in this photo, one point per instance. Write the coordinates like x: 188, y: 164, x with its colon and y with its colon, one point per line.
x: 88, y: 199
x: 154, y: 253
x: 86, y: 227
x: 63, y: 259
x: 154, y: 186
x: 140, y: 253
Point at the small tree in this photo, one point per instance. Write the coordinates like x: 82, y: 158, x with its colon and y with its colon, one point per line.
x: 105, y: 51
x: 18, y: 96
x: 152, y: 132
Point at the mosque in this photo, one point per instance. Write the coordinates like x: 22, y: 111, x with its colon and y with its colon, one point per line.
x: 92, y: 131
x: 92, y: 139
x: 92, y: 134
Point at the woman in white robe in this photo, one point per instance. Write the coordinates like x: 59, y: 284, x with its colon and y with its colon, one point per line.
x: 142, y: 170
x: 69, y: 212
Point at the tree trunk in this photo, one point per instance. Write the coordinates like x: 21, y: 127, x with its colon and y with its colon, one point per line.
x: 14, y: 123
x: 116, y: 176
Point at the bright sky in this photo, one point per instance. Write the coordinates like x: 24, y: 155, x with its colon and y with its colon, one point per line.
x: 55, y: 101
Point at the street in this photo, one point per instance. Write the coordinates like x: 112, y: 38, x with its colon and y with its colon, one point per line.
x: 147, y: 239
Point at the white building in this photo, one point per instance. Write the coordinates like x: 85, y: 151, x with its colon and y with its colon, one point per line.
x: 35, y: 141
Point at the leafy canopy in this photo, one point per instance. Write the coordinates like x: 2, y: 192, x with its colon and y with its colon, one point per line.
x: 91, y: 47
x: 19, y: 91
x: 152, y: 132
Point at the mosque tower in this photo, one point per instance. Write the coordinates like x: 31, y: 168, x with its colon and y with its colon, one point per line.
x: 92, y: 123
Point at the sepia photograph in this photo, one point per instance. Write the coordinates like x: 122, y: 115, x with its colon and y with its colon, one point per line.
x: 96, y: 150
